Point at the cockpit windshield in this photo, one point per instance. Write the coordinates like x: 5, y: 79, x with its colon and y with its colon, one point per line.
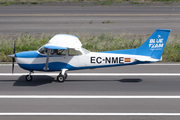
x: 42, y: 50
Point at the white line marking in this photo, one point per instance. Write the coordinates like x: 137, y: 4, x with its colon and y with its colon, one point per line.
x: 96, y: 74
x: 124, y: 74
x: 8, y: 65
x: 57, y: 15
x: 93, y: 114
x: 161, y: 64
x: 86, y: 97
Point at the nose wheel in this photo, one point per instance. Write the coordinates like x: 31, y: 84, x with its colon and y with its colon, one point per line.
x: 29, y: 77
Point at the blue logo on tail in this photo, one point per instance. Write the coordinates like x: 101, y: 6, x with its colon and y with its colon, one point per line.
x: 155, y: 44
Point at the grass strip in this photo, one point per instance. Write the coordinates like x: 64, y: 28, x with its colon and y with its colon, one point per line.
x: 95, y: 43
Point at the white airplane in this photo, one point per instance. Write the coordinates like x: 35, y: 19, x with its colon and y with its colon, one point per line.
x: 64, y: 53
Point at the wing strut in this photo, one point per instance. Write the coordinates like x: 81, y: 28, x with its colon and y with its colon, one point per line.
x: 47, y: 60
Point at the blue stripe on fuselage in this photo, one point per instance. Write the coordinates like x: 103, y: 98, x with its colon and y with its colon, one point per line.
x: 112, y: 65
x: 55, y: 66
x: 29, y: 54
x: 58, y: 66
x: 32, y: 54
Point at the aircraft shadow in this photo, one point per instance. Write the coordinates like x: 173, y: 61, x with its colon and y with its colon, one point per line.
x: 135, y: 80
x: 37, y: 81
x: 128, y: 80
x: 43, y: 79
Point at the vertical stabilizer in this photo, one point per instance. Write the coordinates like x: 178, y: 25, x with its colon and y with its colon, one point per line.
x: 155, y: 44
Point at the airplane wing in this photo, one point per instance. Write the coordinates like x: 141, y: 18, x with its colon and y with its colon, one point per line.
x: 63, y: 41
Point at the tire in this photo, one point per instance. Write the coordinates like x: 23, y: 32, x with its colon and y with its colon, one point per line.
x: 60, y: 78
x: 65, y: 75
x: 29, y: 78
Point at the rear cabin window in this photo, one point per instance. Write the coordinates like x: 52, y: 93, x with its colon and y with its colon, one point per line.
x: 85, y: 51
x: 73, y: 52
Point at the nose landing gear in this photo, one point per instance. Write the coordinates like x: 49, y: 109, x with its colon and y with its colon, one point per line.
x: 29, y: 77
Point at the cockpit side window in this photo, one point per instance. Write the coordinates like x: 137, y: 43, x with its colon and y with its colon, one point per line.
x: 58, y: 52
x: 73, y: 52
x: 43, y: 50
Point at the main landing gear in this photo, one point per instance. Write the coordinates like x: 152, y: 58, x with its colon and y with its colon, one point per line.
x: 29, y: 77
x: 62, y: 76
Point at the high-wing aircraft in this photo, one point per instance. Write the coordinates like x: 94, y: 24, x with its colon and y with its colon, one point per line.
x: 64, y: 53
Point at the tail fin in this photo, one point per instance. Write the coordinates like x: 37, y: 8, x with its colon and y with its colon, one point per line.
x: 155, y: 44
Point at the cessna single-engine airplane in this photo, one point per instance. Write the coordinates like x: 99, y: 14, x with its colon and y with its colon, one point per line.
x: 64, y: 52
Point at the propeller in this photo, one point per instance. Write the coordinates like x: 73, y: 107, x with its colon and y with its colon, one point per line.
x: 13, y: 58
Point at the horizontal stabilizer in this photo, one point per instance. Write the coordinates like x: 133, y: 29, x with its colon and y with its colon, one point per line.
x: 146, y: 59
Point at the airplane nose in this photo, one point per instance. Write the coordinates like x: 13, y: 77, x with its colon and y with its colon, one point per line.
x: 12, y: 56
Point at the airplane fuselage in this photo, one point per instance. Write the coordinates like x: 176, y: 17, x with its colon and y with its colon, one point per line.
x: 33, y: 60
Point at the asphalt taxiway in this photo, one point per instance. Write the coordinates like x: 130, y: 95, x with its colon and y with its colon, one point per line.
x: 110, y: 96
x: 89, y: 19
